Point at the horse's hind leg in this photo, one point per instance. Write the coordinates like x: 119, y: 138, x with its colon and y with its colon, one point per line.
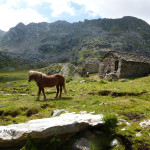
x: 60, y: 91
x: 57, y: 87
x: 44, y: 93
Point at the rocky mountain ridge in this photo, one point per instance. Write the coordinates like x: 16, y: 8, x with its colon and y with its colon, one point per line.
x: 62, y: 41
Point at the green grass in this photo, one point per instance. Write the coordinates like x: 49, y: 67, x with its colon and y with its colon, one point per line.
x: 128, y: 99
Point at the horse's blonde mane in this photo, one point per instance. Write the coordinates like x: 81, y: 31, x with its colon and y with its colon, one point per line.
x: 36, y: 73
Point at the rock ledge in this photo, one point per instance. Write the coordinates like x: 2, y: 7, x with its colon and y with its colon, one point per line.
x: 68, y: 123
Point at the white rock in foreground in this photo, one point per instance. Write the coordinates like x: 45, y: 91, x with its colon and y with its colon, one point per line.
x: 14, y: 135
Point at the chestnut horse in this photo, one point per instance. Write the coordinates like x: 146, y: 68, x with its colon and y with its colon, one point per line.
x: 44, y: 80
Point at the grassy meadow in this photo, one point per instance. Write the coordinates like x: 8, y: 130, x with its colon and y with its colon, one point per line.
x: 128, y: 99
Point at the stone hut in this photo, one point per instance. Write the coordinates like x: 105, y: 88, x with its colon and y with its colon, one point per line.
x: 124, y: 65
x: 92, y: 65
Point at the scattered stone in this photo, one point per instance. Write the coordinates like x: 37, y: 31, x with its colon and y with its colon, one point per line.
x: 83, y: 112
x: 102, y: 103
x: 73, y: 90
x: 115, y: 142
x: 58, y: 112
x: 145, y: 124
x: 82, y: 81
x: 82, y: 144
x: 124, y: 121
x: 138, y: 134
x: 111, y: 75
x: 123, y: 80
x: 123, y: 129
x: 92, y: 112
x: 2, y: 106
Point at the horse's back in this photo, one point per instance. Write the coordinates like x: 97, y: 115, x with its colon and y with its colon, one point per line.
x: 60, y: 78
x: 48, y: 81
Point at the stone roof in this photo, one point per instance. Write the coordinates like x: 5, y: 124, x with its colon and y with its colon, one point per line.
x: 128, y: 57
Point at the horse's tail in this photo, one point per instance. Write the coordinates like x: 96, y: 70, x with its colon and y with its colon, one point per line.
x: 64, y: 87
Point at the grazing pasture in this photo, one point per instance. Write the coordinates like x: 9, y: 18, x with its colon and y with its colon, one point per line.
x: 128, y: 99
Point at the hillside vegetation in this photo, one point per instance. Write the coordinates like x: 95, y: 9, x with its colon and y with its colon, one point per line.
x: 128, y: 99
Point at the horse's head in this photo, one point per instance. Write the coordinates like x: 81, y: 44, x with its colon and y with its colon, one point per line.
x: 34, y: 75
x: 30, y: 79
x: 30, y: 76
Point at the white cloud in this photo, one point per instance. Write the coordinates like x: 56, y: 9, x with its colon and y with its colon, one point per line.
x: 58, y: 7
x: 116, y: 8
x: 103, y: 8
x: 13, y: 12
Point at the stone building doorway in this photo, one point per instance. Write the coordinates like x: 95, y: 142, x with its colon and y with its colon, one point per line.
x: 116, y: 65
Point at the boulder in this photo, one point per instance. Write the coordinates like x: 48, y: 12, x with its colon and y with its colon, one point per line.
x: 65, y: 124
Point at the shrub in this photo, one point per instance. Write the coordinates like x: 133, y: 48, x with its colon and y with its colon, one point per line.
x: 110, y: 124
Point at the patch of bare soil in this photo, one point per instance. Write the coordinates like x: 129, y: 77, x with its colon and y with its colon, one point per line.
x: 143, y: 146
x: 31, y: 112
x: 125, y: 141
x: 12, y: 113
x: 44, y: 106
x: 134, y: 117
x: 115, y: 94
x: 1, y: 112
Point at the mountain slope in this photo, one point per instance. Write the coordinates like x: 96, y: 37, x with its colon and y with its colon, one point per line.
x: 63, y: 41
x: 1, y: 33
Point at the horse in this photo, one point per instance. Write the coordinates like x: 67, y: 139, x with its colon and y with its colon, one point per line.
x: 42, y: 80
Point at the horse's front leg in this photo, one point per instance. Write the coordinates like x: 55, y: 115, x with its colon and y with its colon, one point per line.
x: 44, y: 94
x: 57, y: 87
x: 38, y: 98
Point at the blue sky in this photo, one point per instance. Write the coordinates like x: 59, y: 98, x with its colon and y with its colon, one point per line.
x: 26, y: 11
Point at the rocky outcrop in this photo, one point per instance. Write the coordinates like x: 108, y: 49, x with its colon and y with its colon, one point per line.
x: 65, y: 124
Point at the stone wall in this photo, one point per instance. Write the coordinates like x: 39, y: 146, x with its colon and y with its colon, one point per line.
x: 134, y: 69
x: 108, y: 66
x: 92, y: 65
